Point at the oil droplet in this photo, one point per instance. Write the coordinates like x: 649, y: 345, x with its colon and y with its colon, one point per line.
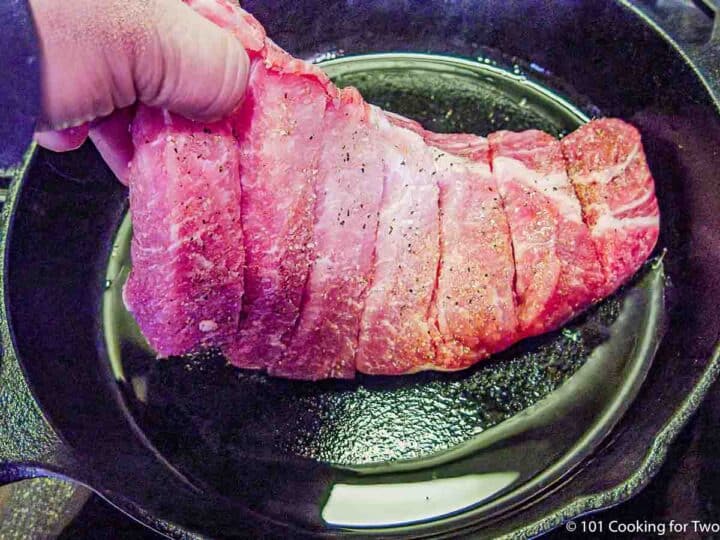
x: 571, y: 334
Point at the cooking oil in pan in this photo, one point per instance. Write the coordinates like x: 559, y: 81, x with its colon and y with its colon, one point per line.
x: 191, y: 408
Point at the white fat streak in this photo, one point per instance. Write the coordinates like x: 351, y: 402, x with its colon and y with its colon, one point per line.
x: 443, y: 161
x: 378, y: 118
x: 608, y: 222
x: 159, y: 141
x: 422, y: 187
x: 634, y: 204
x: 202, y: 262
x: 208, y: 325
x: 603, y: 208
x: 151, y: 250
x: 167, y: 118
x: 608, y: 174
x: 174, y: 234
x: 563, y: 197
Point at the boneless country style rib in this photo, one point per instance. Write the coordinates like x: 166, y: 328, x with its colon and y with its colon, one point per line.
x: 312, y: 235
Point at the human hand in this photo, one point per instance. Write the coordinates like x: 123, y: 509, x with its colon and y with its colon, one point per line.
x: 100, y: 57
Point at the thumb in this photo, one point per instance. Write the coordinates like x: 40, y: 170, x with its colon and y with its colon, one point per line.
x: 194, y: 68
x: 102, y: 56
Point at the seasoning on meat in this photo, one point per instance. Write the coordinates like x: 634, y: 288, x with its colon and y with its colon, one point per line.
x: 186, y: 284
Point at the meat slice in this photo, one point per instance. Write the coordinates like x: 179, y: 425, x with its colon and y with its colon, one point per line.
x: 186, y: 284
x: 279, y: 132
x: 475, y: 305
x: 606, y: 164
x: 349, y: 190
x: 396, y: 333
x: 557, y: 273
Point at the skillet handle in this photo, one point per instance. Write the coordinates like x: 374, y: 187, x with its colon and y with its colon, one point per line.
x: 29, y: 447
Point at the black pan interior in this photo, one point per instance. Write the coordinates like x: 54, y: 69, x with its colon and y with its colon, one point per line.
x: 69, y: 209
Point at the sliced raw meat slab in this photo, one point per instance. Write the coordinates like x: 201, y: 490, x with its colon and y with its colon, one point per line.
x: 317, y: 293
x: 278, y: 129
x: 396, y: 333
x: 475, y: 304
x: 186, y: 284
x: 280, y: 132
x: 606, y: 164
x: 474, y: 307
x: 557, y: 273
x: 349, y: 191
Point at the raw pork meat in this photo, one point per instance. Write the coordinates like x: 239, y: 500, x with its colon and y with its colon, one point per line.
x: 475, y: 304
x: 279, y: 134
x: 349, y: 192
x: 557, y: 272
x: 312, y: 235
x: 186, y: 284
x: 607, y: 166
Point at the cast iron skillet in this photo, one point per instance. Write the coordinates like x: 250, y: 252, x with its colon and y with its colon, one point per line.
x: 218, y: 471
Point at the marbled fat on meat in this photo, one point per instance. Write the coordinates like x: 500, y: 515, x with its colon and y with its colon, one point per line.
x: 279, y: 132
x: 475, y: 304
x: 349, y: 191
x: 606, y: 164
x: 557, y: 273
x: 396, y: 333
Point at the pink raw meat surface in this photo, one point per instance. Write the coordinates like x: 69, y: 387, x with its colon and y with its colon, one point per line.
x: 349, y: 191
x: 336, y: 237
x: 607, y: 166
x: 557, y: 273
x: 186, y: 285
x: 475, y: 309
x: 279, y: 132
x: 475, y: 304
x: 396, y: 333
